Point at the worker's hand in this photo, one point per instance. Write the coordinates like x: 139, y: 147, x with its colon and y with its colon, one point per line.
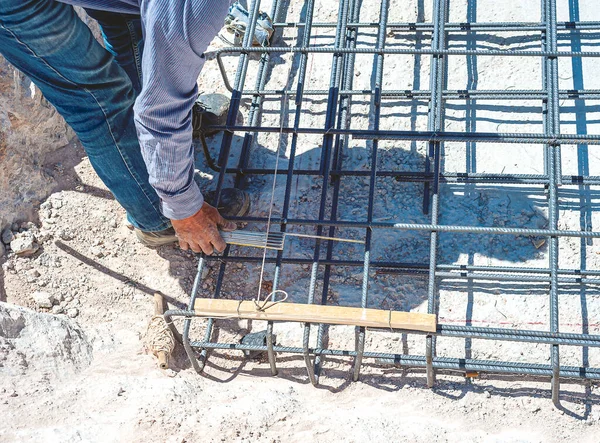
x: 200, y: 232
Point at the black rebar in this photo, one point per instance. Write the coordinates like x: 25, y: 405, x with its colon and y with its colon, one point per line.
x: 337, y: 133
x: 326, y: 152
x: 339, y: 146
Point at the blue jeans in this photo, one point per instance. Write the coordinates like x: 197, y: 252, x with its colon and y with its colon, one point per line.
x: 93, y: 88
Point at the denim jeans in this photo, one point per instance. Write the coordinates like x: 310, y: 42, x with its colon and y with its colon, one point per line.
x: 93, y: 88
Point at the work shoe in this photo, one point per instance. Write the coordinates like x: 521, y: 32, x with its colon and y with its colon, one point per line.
x: 236, y: 23
x: 233, y: 202
x: 157, y: 238
x: 209, y: 110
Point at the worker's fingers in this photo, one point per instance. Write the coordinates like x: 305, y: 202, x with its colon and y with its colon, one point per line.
x: 196, y: 247
x: 214, y: 237
x: 225, y: 225
x: 218, y: 242
x: 206, y: 247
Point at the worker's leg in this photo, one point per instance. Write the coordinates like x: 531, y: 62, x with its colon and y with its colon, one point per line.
x: 123, y: 38
x: 48, y: 42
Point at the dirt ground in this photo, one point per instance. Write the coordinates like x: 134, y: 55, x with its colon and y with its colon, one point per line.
x: 79, y: 372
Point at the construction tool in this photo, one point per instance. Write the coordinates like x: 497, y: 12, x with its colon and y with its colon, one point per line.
x: 272, y: 240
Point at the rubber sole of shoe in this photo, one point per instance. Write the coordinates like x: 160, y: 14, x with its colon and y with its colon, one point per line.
x: 153, y: 239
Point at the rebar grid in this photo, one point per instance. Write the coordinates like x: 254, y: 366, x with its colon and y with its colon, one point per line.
x: 335, y: 139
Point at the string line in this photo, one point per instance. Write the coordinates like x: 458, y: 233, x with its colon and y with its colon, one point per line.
x: 282, y: 114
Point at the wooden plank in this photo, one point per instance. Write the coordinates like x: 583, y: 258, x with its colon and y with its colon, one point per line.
x: 333, y: 315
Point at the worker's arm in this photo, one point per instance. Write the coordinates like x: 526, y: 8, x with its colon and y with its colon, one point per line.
x: 176, y: 34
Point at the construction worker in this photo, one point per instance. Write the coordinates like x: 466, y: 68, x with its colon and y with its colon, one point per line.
x: 131, y: 102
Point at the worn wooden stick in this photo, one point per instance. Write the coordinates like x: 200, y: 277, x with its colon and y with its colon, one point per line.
x: 159, y: 309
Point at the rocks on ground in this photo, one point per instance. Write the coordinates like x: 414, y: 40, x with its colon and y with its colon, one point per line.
x: 24, y: 244
x: 23, y: 239
x: 43, y: 299
x: 7, y: 236
x: 35, y: 342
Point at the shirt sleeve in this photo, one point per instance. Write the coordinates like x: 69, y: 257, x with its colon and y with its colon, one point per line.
x: 176, y: 34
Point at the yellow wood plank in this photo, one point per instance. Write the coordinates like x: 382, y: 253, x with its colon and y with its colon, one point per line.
x: 334, y: 315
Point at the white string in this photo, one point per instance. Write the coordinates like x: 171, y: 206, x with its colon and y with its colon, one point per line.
x: 282, y: 115
x: 263, y: 305
x: 158, y: 336
x: 259, y: 306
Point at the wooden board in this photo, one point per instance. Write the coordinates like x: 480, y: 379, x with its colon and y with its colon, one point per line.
x: 333, y: 315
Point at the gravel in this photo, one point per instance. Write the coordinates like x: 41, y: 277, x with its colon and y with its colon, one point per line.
x: 24, y: 244
x: 43, y: 299
x: 7, y: 236
x: 73, y: 312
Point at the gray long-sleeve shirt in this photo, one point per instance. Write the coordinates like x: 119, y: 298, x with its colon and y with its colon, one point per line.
x: 176, y: 34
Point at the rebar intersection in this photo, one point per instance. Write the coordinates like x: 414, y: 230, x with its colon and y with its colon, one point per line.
x: 336, y: 133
